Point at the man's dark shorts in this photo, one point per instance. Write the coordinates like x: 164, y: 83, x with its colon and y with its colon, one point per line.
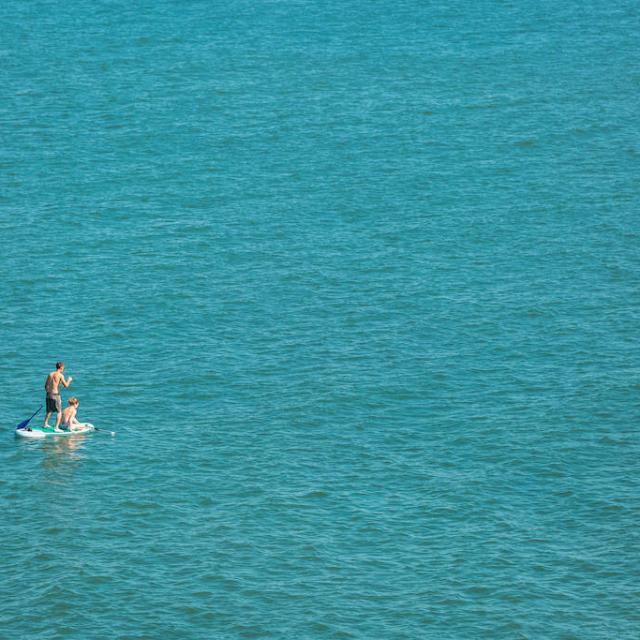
x: 53, y: 403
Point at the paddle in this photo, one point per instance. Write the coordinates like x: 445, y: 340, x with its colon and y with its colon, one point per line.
x: 113, y: 433
x: 24, y: 423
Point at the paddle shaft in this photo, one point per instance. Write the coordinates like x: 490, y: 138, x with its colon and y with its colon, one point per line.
x: 113, y: 433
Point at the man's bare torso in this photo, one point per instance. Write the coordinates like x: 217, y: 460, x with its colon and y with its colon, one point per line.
x: 52, y: 382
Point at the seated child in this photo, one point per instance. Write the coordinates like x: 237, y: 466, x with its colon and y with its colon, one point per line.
x: 69, y: 421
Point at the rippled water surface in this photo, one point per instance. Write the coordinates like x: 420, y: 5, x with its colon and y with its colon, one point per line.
x: 357, y: 286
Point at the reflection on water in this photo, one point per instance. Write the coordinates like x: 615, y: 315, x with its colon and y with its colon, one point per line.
x: 62, y: 454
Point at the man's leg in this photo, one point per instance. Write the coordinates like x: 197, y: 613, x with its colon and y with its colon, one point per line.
x: 46, y: 419
x: 58, y: 419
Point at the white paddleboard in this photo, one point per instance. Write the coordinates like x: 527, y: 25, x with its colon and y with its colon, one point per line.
x: 40, y: 432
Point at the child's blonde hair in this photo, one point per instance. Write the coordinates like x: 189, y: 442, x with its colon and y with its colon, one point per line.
x: 73, y: 400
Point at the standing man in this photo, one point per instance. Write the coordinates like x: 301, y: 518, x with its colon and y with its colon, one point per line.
x: 53, y: 395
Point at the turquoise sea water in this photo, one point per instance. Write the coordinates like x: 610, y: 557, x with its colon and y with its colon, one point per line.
x: 357, y: 286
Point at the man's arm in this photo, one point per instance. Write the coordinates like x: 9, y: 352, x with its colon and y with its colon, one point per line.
x: 66, y: 382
